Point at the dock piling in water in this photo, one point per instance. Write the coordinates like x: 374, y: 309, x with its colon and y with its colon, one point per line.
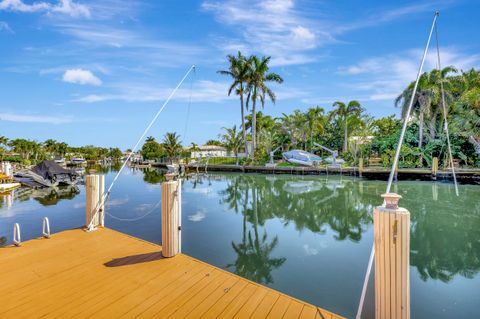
x: 434, y: 168
x: 392, y: 259
x: 95, y: 206
x: 171, y: 194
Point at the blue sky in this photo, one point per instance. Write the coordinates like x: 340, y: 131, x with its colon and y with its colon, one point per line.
x: 95, y: 72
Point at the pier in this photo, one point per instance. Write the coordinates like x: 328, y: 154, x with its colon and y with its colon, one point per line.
x: 107, y: 274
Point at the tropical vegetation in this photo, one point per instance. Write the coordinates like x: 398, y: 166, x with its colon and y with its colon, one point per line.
x: 28, y: 151
x: 443, y: 96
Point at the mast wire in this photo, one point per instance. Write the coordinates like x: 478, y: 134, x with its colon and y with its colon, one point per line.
x: 105, y: 195
x: 395, y: 161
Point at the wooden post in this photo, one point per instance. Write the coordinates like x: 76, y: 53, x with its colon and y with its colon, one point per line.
x: 92, y: 190
x: 101, y: 191
x: 392, y: 259
x: 434, y: 168
x: 170, y: 218
x: 360, y: 167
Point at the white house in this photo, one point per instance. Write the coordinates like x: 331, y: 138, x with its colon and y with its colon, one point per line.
x: 210, y: 150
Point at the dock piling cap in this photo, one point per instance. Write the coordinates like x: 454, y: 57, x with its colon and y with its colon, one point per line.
x: 391, y: 200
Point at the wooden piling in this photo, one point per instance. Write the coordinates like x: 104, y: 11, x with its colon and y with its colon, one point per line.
x: 101, y: 191
x: 170, y: 218
x: 92, y: 189
x: 434, y: 168
x: 360, y: 167
x: 392, y: 259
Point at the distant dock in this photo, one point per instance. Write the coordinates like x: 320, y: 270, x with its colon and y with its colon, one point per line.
x: 379, y: 173
x: 107, y: 274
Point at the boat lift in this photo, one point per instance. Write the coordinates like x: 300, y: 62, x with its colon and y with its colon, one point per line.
x: 272, y: 153
x: 334, y: 153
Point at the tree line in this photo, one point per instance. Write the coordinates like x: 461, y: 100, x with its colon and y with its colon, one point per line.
x: 30, y: 151
x: 442, y: 94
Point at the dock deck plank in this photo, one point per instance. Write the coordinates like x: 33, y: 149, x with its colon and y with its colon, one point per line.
x: 107, y: 274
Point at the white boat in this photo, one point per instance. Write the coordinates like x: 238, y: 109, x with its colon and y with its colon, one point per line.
x: 300, y: 187
x: 172, y: 168
x: 59, y: 160
x: 5, y: 187
x: 302, y: 158
x: 78, y: 160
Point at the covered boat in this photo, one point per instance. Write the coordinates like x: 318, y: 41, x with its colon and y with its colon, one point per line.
x: 302, y: 158
x: 49, y: 173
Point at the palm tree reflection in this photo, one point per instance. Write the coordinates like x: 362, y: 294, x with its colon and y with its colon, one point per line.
x: 444, y: 243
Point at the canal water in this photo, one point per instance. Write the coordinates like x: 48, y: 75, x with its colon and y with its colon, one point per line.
x: 309, y: 237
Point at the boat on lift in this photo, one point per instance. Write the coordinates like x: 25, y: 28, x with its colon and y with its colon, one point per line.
x: 333, y: 160
x: 302, y: 158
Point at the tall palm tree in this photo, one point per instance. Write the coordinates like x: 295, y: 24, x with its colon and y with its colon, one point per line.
x: 258, y: 77
x: 232, y: 140
x: 344, y: 111
x: 172, y: 144
x: 3, y: 143
x: 427, y: 101
x: 150, y: 139
x: 468, y: 105
x: 314, y: 117
x: 239, y: 72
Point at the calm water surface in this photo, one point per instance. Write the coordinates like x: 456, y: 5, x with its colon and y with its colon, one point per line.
x: 309, y: 237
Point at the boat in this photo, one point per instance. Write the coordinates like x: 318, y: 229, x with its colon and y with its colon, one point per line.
x: 172, y: 168
x: 47, y: 173
x: 302, y: 158
x: 78, y: 160
x: 300, y: 187
x: 7, y: 183
x: 59, y: 160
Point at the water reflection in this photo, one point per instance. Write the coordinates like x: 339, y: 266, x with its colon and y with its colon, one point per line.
x: 309, y: 204
x: 253, y: 252
x: 153, y: 176
x: 47, y: 196
x: 445, y: 241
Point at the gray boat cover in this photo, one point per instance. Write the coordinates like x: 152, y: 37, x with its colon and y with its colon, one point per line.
x: 52, y: 171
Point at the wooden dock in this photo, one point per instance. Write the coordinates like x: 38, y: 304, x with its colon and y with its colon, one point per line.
x: 107, y: 274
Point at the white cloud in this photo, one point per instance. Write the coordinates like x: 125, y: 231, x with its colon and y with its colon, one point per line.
x: 270, y: 27
x: 202, y: 91
x: 18, y: 5
x: 11, y: 117
x: 289, y: 34
x: 385, y: 77
x: 5, y: 27
x: 72, y: 9
x: 197, y: 217
x: 81, y: 76
x: 66, y: 7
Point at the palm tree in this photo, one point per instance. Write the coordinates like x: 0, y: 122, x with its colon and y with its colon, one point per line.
x: 344, y: 111
x: 232, y: 140
x: 468, y: 105
x: 3, y: 142
x: 314, y: 119
x: 239, y: 72
x: 194, y: 147
x: 427, y: 102
x: 150, y: 139
x: 50, y: 146
x: 257, y: 88
x: 172, y: 144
